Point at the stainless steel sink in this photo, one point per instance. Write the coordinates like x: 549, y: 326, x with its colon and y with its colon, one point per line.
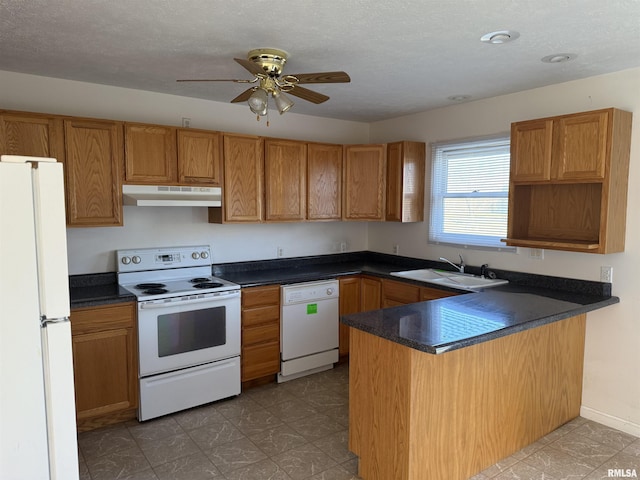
x: 461, y: 281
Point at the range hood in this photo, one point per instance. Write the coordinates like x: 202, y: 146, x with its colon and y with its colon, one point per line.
x: 171, y: 196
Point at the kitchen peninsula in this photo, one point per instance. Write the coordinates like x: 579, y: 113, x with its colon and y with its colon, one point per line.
x: 446, y: 388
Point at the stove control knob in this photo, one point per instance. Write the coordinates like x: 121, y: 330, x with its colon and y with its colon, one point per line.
x: 195, y: 255
x: 330, y: 291
x: 204, y: 254
x: 125, y: 260
x: 136, y: 259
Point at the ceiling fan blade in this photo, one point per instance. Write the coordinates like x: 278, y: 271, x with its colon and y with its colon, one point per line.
x: 244, y: 96
x: 323, y: 77
x: 254, y: 68
x: 308, y: 95
x: 215, y: 80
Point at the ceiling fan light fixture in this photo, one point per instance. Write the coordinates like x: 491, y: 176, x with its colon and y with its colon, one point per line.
x: 283, y: 103
x: 258, y: 102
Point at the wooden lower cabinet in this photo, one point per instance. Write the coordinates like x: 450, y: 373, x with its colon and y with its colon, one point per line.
x: 260, y: 356
x: 105, y: 363
x: 370, y: 293
x: 349, y: 303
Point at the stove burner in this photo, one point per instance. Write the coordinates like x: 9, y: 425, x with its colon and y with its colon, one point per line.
x: 145, y: 286
x: 199, y: 280
x: 155, y: 291
x: 207, y: 285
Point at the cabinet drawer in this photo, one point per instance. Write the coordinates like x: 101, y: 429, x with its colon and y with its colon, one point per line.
x: 260, y: 360
x: 399, y: 292
x: 260, y: 296
x: 260, y: 315
x: 427, y: 293
x: 268, y: 332
x: 95, y: 319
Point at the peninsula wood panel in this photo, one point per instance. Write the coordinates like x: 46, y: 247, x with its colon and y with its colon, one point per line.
x: 150, y: 154
x: 105, y: 364
x: 199, y: 157
x: 243, y: 158
x: 412, y: 412
x: 324, y: 181
x: 285, y: 170
x: 93, y: 172
x: 364, y: 172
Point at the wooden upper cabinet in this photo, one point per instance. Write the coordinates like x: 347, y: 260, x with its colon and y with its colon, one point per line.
x: 243, y: 159
x: 199, y: 157
x: 531, y: 147
x: 364, y: 172
x: 566, y: 148
x: 324, y: 181
x: 580, y: 146
x: 31, y: 135
x: 150, y: 154
x: 405, y: 181
x: 569, y: 177
x: 285, y: 170
x: 93, y: 172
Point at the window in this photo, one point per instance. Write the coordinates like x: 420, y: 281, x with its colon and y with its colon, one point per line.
x: 469, y: 192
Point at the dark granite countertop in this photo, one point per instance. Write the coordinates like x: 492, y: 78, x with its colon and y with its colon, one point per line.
x: 97, y: 289
x: 439, y: 326
x: 435, y: 327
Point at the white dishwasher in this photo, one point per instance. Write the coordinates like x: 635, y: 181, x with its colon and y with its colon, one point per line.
x: 309, y: 328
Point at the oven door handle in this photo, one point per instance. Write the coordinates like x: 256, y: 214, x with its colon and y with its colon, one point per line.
x: 151, y: 304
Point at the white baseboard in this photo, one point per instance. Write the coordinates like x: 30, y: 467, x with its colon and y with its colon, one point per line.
x: 610, y: 421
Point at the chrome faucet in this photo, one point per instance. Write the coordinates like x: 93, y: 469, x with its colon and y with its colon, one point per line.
x: 459, y: 268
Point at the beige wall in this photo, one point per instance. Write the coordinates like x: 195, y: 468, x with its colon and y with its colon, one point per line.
x: 612, y: 365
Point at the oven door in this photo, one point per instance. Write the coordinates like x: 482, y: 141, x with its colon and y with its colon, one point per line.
x: 180, y: 332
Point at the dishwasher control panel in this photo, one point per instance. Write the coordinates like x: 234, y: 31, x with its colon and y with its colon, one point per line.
x: 310, y: 291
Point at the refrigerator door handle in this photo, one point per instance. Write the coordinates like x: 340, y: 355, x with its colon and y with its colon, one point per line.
x: 44, y: 321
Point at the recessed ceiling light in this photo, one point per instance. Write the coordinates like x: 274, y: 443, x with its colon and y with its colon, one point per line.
x: 501, y: 36
x: 459, y: 98
x: 559, y: 57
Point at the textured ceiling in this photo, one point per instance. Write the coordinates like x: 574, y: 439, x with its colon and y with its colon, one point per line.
x: 403, y: 56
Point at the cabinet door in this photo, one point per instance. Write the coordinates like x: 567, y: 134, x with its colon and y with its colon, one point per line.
x: 364, y: 182
x: 93, y: 170
x: 531, y: 150
x: 324, y: 182
x: 31, y: 135
x: 199, y: 157
x: 105, y: 364
x: 349, y: 303
x: 243, y: 174
x: 581, y: 146
x: 405, y: 182
x: 150, y: 154
x: 285, y: 170
x: 370, y: 294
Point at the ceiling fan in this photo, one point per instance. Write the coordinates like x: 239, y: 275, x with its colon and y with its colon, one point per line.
x: 266, y: 65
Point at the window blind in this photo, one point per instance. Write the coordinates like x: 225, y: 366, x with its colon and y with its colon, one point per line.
x: 469, y: 192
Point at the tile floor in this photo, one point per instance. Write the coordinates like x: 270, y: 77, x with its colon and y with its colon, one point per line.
x: 298, y: 430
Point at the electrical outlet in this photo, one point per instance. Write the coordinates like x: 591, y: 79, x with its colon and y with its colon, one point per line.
x: 186, y: 122
x: 343, y: 246
x: 396, y: 249
x: 280, y: 252
x: 606, y: 274
x: 536, y: 253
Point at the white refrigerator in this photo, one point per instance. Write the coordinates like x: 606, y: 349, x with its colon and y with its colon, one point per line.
x: 37, y: 404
